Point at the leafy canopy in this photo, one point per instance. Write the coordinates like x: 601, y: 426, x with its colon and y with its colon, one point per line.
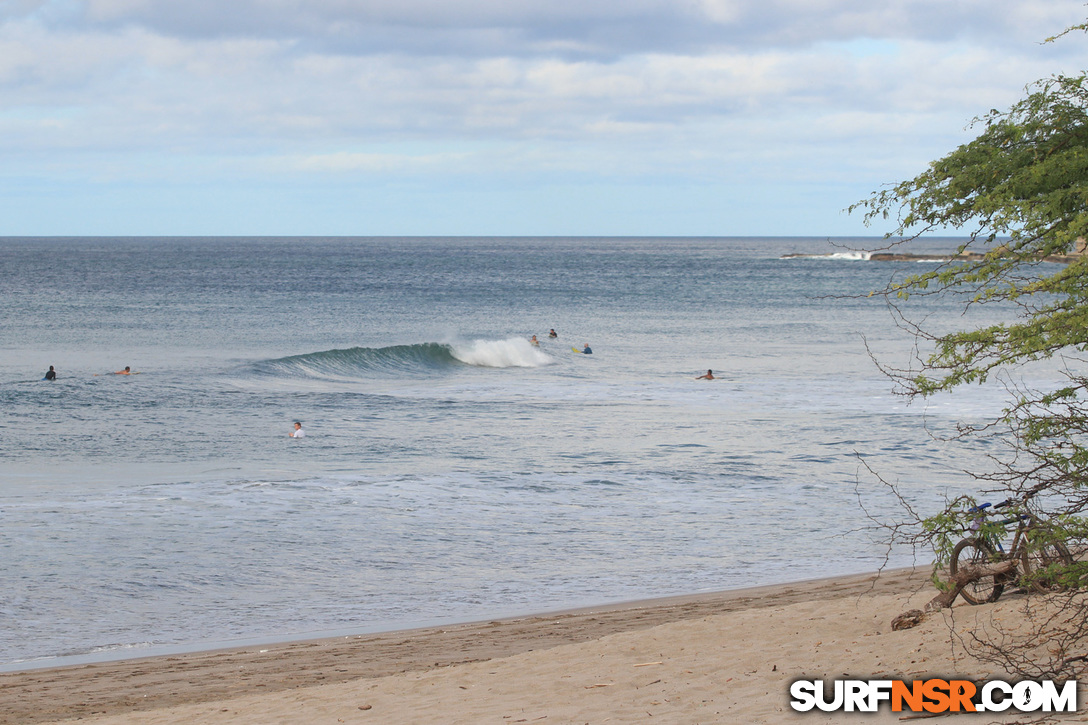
x: 1020, y: 190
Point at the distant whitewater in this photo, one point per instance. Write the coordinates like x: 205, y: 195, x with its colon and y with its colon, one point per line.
x: 850, y: 256
x: 397, y: 360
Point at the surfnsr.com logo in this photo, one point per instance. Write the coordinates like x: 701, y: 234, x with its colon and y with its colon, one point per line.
x: 933, y: 696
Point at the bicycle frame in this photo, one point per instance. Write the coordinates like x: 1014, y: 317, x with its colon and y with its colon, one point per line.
x: 991, y: 530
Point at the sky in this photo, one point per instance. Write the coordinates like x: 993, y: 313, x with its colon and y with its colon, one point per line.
x: 495, y: 117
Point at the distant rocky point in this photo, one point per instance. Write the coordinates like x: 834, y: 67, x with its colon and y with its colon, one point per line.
x: 1080, y: 251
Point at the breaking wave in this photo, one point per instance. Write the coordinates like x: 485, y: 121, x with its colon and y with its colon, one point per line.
x: 396, y: 360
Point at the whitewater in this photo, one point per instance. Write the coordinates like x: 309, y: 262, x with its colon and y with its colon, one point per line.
x: 451, y: 470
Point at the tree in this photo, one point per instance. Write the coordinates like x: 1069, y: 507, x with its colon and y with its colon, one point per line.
x: 1020, y: 192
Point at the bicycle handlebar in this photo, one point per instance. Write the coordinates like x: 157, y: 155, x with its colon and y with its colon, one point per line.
x: 996, y: 506
x: 976, y: 524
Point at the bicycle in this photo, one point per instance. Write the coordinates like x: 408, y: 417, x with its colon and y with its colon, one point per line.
x: 1037, y: 554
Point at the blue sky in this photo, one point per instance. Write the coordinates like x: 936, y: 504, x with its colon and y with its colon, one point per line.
x: 494, y: 117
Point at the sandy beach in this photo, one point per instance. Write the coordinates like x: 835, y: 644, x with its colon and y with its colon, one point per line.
x: 709, y: 658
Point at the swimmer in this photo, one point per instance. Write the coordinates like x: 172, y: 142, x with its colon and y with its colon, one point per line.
x: 535, y: 342
x: 297, y: 432
x: 552, y: 333
x: 50, y: 374
x: 709, y: 376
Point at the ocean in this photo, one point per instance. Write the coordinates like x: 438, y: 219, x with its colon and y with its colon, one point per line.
x: 451, y: 470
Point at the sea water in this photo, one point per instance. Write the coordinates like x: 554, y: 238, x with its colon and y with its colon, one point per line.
x: 451, y: 470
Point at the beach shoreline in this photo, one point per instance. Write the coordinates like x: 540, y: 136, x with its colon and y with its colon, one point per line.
x: 188, y: 649
x: 136, y: 687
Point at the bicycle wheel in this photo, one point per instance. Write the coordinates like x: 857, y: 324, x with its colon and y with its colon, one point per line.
x: 1043, y: 561
x: 976, y: 552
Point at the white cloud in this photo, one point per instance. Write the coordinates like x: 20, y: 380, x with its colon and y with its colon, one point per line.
x: 695, y: 91
x: 602, y: 28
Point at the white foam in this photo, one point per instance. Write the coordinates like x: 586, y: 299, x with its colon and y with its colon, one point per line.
x: 514, y: 352
x: 851, y: 256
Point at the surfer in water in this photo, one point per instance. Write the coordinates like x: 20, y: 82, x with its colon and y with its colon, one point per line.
x: 587, y: 350
x: 126, y: 371
x: 709, y: 376
x: 552, y: 333
x: 535, y: 342
x: 51, y: 374
x: 297, y: 432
